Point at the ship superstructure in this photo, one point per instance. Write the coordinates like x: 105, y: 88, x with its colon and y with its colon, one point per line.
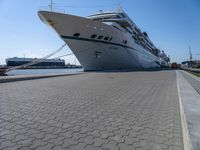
x: 106, y: 40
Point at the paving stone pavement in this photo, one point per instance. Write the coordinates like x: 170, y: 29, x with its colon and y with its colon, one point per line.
x: 94, y: 111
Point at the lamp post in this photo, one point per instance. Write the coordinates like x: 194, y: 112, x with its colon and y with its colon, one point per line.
x: 190, y: 57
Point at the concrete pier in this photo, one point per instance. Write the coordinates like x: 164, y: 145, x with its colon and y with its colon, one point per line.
x: 93, y: 111
x: 189, y: 86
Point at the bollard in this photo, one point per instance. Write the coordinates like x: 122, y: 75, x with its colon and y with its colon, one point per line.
x: 2, y: 71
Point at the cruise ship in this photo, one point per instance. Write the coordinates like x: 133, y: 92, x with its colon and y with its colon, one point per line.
x: 107, y: 40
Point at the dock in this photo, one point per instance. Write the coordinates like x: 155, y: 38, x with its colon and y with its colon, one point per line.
x: 139, y: 110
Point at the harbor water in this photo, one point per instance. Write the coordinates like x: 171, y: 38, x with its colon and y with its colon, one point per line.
x: 42, y: 71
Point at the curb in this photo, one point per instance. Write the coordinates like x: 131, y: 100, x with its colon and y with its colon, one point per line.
x: 5, y: 80
x: 186, y: 137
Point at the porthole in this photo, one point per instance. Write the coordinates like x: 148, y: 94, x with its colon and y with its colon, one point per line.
x: 106, y: 38
x: 93, y: 36
x: 124, y: 41
x: 100, y: 37
x: 76, y: 34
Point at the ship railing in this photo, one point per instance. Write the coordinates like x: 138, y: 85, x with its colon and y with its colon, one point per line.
x: 54, y: 9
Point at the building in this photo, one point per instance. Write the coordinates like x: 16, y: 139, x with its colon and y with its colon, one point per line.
x: 192, y: 63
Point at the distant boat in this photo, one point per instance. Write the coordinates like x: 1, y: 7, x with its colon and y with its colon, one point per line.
x: 106, y: 40
x: 15, y: 61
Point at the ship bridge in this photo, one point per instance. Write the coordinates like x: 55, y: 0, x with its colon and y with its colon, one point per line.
x: 118, y: 17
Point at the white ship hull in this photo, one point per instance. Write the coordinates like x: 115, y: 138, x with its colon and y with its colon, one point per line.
x: 95, y: 54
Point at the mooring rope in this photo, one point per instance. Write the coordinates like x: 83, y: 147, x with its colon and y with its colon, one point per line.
x: 49, y: 55
x: 63, y: 56
x: 36, y: 61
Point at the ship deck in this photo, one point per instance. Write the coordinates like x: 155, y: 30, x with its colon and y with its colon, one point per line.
x: 97, y: 110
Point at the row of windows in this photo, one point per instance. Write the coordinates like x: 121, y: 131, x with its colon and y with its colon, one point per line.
x: 111, y: 17
x: 146, y: 46
x: 100, y: 37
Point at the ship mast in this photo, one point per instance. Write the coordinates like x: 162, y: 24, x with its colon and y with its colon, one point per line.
x: 120, y: 9
x: 190, y: 53
x: 51, y: 5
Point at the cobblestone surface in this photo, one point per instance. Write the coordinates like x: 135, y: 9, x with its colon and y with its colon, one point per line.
x: 94, y: 111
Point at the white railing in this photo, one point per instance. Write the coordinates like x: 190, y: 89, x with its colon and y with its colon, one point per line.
x: 53, y: 9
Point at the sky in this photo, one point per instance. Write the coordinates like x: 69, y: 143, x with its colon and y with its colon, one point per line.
x: 172, y: 25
